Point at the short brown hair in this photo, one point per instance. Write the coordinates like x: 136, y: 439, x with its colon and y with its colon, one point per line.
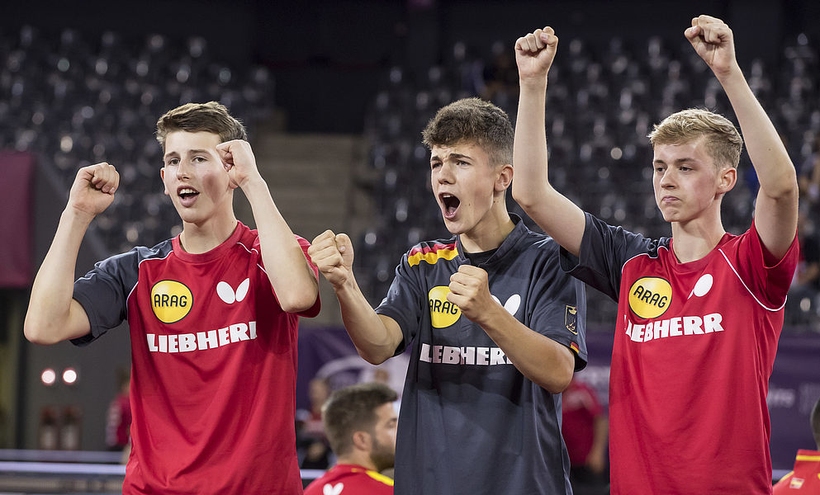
x: 723, y: 141
x: 351, y: 409
x: 472, y: 119
x: 197, y: 117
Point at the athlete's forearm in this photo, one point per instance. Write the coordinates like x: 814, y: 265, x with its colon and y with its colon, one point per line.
x: 767, y: 152
x: 539, y: 358
x: 375, y: 337
x: 53, y: 315
x: 293, y: 279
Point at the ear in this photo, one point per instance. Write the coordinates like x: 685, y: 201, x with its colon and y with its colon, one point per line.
x: 362, y: 441
x: 505, y: 177
x: 162, y: 176
x: 727, y: 178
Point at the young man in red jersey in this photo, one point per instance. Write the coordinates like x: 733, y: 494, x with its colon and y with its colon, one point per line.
x: 360, y: 423
x: 213, y: 315
x: 700, y: 313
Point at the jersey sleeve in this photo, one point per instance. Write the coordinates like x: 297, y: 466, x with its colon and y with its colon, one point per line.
x: 103, y: 293
x: 402, y: 302
x: 604, y: 251
x: 766, y: 278
x: 558, y: 307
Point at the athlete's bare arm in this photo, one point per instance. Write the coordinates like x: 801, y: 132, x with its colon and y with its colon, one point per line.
x: 53, y: 315
x: 290, y: 274
x: 776, y: 205
x: 539, y: 358
x: 552, y: 211
x: 375, y: 336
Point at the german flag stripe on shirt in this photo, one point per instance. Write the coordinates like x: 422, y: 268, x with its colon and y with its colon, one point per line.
x: 431, y: 254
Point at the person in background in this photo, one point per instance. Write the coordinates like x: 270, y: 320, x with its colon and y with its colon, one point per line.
x: 699, y: 313
x: 310, y: 432
x: 118, y: 419
x: 804, y: 293
x: 213, y: 314
x: 360, y: 423
x: 585, y: 427
x: 805, y: 479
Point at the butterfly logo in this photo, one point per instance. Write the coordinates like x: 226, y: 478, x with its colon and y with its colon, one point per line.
x: 336, y: 489
x: 512, y: 304
x: 228, y: 295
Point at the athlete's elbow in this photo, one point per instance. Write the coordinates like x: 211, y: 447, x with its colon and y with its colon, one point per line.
x: 528, y: 197
x: 558, y: 381
x: 373, y: 357
x: 39, y: 333
x: 297, y: 304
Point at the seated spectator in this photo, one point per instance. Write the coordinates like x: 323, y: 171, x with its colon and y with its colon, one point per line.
x: 360, y: 423
x: 806, y: 475
x: 801, y: 307
x: 809, y: 177
x: 314, y: 451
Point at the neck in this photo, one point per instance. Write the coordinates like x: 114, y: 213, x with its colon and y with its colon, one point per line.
x: 359, y: 459
x: 489, y: 234
x: 694, y: 240
x: 198, y: 239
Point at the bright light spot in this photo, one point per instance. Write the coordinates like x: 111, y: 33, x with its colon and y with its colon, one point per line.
x: 48, y: 377
x: 69, y: 376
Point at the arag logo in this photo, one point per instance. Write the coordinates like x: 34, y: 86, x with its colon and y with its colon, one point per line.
x: 443, y: 313
x: 650, y: 297
x: 171, y: 300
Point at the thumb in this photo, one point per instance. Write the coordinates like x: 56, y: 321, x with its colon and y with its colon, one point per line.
x: 343, y: 242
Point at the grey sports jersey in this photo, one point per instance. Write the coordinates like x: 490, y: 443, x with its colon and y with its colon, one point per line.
x: 470, y: 422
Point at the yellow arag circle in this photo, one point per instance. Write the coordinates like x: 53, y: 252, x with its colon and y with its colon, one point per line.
x: 650, y: 297
x: 171, y: 301
x: 443, y: 313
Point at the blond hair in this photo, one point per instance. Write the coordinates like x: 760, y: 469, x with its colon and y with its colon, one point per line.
x: 722, y: 139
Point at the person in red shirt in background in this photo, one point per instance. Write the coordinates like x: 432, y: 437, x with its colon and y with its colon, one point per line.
x: 118, y: 420
x: 806, y: 475
x: 585, y: 428
x: 360, y: 423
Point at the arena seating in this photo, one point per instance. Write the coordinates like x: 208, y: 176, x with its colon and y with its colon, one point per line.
x: 76, y: 100
x: 602, y: 102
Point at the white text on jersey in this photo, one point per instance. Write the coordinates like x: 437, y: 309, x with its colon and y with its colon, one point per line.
x: 187, y: 342
x: 479, y: 356
x: 675, y: 327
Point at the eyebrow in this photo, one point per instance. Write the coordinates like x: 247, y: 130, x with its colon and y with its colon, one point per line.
x: 189, y: 152
x: 450, y: 156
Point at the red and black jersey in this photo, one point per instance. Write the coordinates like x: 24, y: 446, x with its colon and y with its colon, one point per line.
x: 213, y: 366
x: 693, y: 351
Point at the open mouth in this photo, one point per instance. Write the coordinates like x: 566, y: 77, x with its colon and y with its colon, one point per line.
x: 187, y: 195
x: 449, y: 204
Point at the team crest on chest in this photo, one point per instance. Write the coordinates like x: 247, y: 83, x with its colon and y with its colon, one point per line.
x: 171, y: 300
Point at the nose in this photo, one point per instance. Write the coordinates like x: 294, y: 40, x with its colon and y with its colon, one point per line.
x: 444, y: 174
x: 667, y: 178
x: 183, y: 169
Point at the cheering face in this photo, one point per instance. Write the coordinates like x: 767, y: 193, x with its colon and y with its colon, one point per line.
x: 383, y: 453
x: 464, y: 183
x: 195, y: 177
x: 687, y: 182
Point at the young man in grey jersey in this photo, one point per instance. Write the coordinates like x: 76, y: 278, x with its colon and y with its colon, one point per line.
x: 494, y: 327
